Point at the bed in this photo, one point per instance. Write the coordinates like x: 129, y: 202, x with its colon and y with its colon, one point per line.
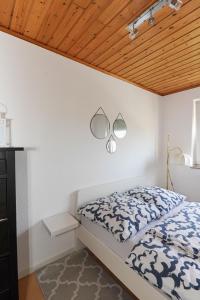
x: 114, y: 254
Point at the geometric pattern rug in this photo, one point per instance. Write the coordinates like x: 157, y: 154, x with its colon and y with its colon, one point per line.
x: 79, y: 276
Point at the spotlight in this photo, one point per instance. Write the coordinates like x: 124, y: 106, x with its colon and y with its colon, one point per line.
x: 175, y: 4
x: 133, y: 33
x: 152, y: 20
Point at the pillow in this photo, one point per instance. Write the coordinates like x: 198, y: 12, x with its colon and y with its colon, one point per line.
x: 164, y: 200
x: 121, y: 215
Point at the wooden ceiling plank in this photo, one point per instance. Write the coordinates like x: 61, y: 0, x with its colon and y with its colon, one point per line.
x: 167, y: 60
x: 165, y: 52
x: 182, y: 81
x: 105, y: 17
x: 87, y: 36
x: 162, y: 64
x: 176, y: 89
x: 190, y: 58
x: 174, y: 74
x: 82, y: 3
x: 150, y: 71
x: 54, y: 16
x: 120, y: 39
x: 68, y: 22
x: 86, y: 20
x: 103, y: 34
x: 186, y: 77
x: 165, y: 46
x: 121, y: 19
x: 113, y: 10
x: 176, y: 62
x: 179, y: 80
x: 116, y: 37
x: 36, y: 17
x: 151, y: 60
x: 188, y: 14
x: 6, y: 9
x: 187, y: 84
x: 21, y: 14
x: 182, y: 86
x: 171, y: 70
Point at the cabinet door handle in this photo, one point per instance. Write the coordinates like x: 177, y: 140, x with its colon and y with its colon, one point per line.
x: 3, y: 220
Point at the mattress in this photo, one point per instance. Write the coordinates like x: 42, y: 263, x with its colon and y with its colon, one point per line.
x: 122, y: 249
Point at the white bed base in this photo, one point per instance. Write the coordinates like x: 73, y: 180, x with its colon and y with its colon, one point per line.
x: 135, y: 283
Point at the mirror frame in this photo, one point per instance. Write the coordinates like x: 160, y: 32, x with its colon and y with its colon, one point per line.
x: 111, y: 137
x: 121, y: 118
x: 100, y: 108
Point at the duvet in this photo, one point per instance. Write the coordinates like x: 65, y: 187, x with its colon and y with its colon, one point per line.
x: 168, y: 255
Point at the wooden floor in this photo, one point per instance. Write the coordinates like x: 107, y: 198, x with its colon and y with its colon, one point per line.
x: 29, y: 288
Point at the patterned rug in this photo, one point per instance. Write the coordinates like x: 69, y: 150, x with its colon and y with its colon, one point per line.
x: 79, y: 277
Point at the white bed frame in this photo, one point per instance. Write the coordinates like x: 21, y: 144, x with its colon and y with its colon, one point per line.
x: 136, y: 284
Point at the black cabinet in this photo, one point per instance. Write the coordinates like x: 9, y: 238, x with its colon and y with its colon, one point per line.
x: 8, y: 237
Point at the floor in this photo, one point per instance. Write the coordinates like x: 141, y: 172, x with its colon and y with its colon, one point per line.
x: 29, y: 289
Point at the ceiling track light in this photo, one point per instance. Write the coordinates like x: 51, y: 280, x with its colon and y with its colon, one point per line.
x: 148, y: 15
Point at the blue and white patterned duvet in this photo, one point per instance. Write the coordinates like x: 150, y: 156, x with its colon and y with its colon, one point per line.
x: 169, y: 254
x: 121, y: 215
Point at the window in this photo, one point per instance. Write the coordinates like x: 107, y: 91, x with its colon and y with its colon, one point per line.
x: 196, y: 134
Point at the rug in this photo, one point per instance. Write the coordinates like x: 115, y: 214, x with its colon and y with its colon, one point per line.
x: 79, y: 276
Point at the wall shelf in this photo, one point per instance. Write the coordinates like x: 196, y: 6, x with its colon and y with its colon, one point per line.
x: 60, y: 224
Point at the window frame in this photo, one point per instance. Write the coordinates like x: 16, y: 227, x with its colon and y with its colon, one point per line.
x: 195, y: 163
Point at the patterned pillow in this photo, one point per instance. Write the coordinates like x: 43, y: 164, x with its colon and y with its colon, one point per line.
x: 121, y: 215
x: 164, y: 200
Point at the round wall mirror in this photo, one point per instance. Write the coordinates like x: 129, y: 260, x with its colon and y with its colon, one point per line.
x: 119, y: 127
x: 100, y: 125
x: 111, y: 145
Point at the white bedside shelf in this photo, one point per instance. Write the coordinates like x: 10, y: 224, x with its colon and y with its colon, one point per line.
x: 59, y: 224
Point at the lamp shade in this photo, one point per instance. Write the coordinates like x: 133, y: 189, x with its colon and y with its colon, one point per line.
x: 177, y: 157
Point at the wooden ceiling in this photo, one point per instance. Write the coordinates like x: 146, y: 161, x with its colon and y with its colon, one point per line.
x: 163, y: 59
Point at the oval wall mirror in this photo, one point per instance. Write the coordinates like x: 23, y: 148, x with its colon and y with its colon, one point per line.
x: 119, y: 127
x: 100, y: 125
x: 111, y: 145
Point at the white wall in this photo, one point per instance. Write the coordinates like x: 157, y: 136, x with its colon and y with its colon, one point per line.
x: 51, y: 101
x: 177, y: 116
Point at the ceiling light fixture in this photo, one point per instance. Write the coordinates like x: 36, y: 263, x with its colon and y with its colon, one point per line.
x: 152, y: 20
x: 133, y: 33
x: 148, y: 15
x: 175, y: 4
